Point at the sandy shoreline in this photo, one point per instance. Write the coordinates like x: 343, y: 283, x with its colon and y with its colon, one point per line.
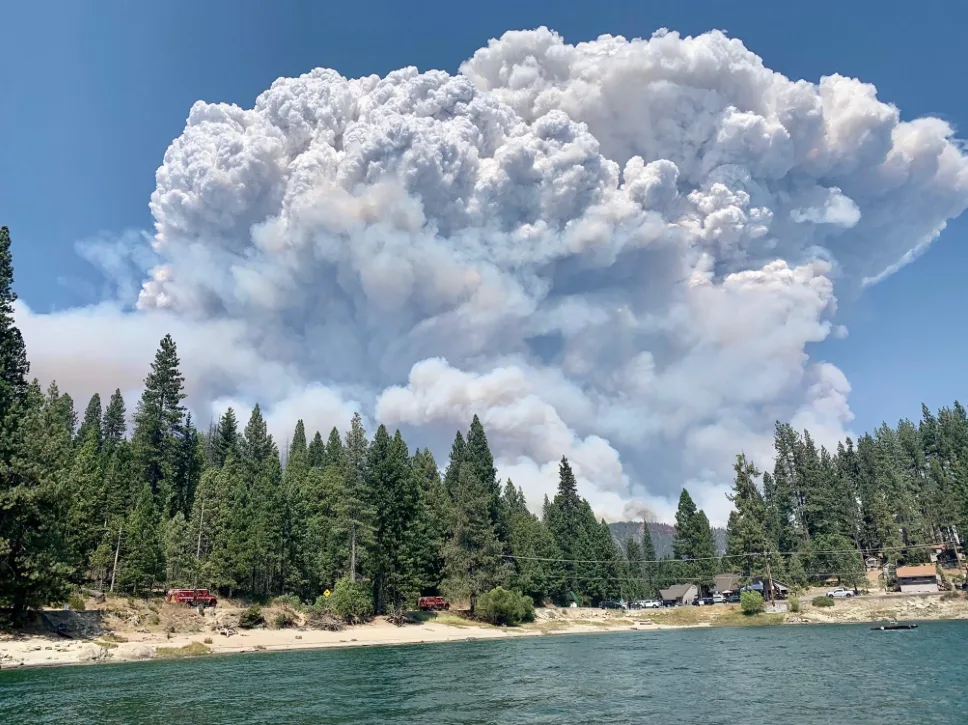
x: 51, y: 651
x: 147, y: 631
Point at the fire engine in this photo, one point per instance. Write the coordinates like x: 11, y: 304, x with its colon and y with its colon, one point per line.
x: 430, y: 604
x: 191, y: 597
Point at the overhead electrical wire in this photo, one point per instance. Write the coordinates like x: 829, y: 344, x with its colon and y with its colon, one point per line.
x: 724, y: 556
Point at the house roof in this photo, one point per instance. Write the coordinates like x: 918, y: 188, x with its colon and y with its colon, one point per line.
x: 677, y: 591
x: 727, y: 582
x: 904, y: 572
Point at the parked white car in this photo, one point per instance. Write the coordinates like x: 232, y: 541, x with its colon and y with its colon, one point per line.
x: 840, y: 593
x: 718, y: 598
x: 652, y: 604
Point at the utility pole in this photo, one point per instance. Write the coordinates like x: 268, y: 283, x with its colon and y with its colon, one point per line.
x: 117, y: 553
x: 198, y: 547
x: 769, y: 578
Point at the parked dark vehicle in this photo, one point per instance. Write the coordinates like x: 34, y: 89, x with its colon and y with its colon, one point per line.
x: 610, y: 604
x: 732, y: 598
x: 702, y: 602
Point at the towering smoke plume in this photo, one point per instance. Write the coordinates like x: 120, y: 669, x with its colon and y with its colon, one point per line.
x: 616, y: 250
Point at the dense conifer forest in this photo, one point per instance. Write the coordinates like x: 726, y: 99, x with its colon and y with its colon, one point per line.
x: 87, y: 501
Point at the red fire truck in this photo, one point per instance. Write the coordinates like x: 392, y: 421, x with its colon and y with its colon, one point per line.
x: 191, y: 597
x: 432, y: 604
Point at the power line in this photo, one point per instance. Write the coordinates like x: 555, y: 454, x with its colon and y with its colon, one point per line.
x: 719, y: 558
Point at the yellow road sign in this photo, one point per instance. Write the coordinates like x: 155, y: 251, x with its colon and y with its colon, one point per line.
x: 327, y: 593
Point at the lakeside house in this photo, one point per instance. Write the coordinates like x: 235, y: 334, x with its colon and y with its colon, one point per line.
x: 918, y: 579
x: 947, y: 555
x: 780, y: 591
x: 678, y: 594
x: 727, y: 584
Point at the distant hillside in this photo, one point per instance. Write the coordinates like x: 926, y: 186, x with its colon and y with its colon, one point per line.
x: 662, y: 535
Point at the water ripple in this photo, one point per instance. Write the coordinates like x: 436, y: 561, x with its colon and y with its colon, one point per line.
x: 815, y: 674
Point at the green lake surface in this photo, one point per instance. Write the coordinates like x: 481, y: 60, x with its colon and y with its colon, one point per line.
x: 791, y: 675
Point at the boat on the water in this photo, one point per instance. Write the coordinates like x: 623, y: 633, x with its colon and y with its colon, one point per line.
x: 883, y: 627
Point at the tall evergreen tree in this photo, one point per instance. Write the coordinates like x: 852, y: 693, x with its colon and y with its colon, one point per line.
x: 334, y: 450
x: 317, y: 452
x: 85, y: 528
x: 452, y: 474
x: 354, y: 509
x: 114, y: 426
x: 472, y: 554
x: 694, y: 543
x: 650, y: 567
x: 396, y: 562
x: 142, y: 562
x: 34, y: 558
x: 295, y: 507
x: 569, y: 526
x: 158, y: 420
x: 747, y: 542
x: 478, y: 455
x: 536, y: 571
x: 437, y: 512
x: 91, y: 422
x: 226, y: 441
x: 13, y: 353
x: 187, y: 466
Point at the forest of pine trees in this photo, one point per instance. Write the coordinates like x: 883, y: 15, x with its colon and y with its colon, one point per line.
x: 818, y: 514
x: 84, y: 501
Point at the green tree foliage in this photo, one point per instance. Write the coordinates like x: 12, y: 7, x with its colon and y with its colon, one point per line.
x: 13, y: 353
x: 396, y: 562
x: 226, y: 441
x: 565, y: 517
x: 158, y: 423
x: 317, y: 452
x: 746, y: 532
x: 478, y: 456
x: 535, y: 569
x: 84, y: 484
x: 694, y: 544
x: 354, y: 508
x: 91, y: 425
x: 35, y: 563
x: 452, y: 474
x: 508, y: 608
x: 221, y: 510
x: 650, y: 567
x: 114, y: 425
x: 436, y: 515
x: 751, y: 603
x: 142, y: 563
x: 473, y: 554
x: 350, y: 601
x: 636, y: 581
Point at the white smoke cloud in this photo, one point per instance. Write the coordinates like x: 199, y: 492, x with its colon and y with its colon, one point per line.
x: 616, y: 251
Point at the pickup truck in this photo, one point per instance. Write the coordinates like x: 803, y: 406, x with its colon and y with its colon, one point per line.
x: 840, y: 592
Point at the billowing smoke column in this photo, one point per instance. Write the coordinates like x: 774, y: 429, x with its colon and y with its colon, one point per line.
x: 616, y: 251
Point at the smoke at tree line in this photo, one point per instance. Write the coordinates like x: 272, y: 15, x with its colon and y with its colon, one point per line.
x: 171, y: 506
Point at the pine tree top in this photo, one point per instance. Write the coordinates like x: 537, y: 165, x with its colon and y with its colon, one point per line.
x: 14, y: 367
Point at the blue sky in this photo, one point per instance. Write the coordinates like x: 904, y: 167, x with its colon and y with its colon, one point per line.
x: 93, y: 98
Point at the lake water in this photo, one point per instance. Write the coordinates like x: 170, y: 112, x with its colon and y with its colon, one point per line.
x: 791, y: 675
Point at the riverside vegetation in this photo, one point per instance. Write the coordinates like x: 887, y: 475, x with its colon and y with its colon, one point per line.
x: 165, y: 504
